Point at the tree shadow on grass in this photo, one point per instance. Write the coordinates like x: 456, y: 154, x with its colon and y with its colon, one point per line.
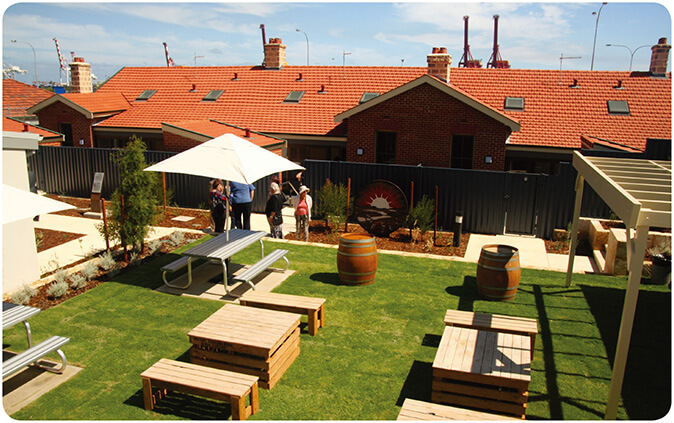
x: 467, y: 293
x: 185, y: 406
x: 646, y: 390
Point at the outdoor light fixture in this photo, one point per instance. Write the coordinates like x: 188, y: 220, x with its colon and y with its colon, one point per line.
x: 359, y: 151
x: 488, y: 159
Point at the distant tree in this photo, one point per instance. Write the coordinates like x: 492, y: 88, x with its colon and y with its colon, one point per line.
x: 131, y: 224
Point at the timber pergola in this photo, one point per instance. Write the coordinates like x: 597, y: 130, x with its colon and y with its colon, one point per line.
x: 640, y: 193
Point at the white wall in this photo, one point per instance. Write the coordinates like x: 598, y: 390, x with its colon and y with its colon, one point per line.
x: 19, y: 252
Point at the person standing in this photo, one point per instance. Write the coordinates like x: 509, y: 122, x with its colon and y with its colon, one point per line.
x: 218, y: 201
x: 242, y: 203
x: 303, y: 213
x: 273, y: 211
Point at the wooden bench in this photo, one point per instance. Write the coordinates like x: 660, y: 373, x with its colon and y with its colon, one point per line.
x: 169, y: 375
x: 254, y: 270
x: 494, y: 323
x: 314, y: 308
x: 34, y: 353
x: 175, y: 266
x: 420, y: 410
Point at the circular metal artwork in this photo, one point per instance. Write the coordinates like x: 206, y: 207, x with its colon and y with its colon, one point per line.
x: 381, y: 208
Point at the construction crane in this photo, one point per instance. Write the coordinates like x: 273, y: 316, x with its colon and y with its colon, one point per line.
x: 467, y: 60
x: 169, y: 61
x: 63, y: 64
x: 495, y: 61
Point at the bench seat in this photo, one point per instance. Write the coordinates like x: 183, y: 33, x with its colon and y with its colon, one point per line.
x: 175, y: 265
x: 420, y: 410
x: 313, y: 307
x: 257, y: 268
x: 34, y: 353
x: 170, y: 375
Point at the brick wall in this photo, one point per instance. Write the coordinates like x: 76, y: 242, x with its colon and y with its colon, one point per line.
x: 53, y: 115
x: 425, y: 119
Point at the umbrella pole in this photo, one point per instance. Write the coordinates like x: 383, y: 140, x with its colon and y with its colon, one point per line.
x: 227, y: 213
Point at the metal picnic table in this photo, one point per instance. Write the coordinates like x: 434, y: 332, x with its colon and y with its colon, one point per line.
x: 223, y: 247
x: 14, y: 313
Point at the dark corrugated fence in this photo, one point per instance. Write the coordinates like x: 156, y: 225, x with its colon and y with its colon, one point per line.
x: 535, y: 204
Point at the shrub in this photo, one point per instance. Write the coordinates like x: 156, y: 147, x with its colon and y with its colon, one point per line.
x: 177, y: 238
x: 24, y: 294
x: 77, y: 281
x: 60, y: 275
x: 39, y: 237
x: 422, y: 216
x: 154, y: 246
x: 107, y: 261
x: 331, y: 203
x: 90, y: 270
x: 57, y: 289
x: 135, y: 259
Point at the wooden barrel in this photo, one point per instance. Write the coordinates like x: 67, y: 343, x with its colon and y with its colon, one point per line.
x: 498, y: 272
x: 357, y: 259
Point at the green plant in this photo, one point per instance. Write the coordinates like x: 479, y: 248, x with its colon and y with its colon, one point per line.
x: 39, y: 238
x: 177, y: 238
x: 131, y: 224
x: 57, y: 289
x: 60, y: 275
x: 107, y: 261
x: 664, y: 248
x: 77, y: 281
x: 331, y: 202
x: 135, y: 259
x: 422, y: 215
x: 24, y: 295
x: 90, y: 270
x: 154, y: 246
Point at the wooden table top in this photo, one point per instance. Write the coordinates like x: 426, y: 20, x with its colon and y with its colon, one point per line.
x: 493, y: 358
x: 257, y: 328
x: 495, y: 322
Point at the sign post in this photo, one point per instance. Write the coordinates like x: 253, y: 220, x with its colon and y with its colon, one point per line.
x: 96, y: 189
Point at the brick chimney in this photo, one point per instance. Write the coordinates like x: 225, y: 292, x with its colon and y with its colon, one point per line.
x: 659, y: 58
x: 274, y: 54
x: 438, y: 63
x: 80, y: 76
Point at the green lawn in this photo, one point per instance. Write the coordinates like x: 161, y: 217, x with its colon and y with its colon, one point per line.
x: 376, y: 349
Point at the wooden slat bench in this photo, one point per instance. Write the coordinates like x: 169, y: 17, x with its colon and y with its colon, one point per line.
x: 34, y: 353
x: 314, y: 308
x: 494, y: 323
x: 420, y: 410
x: 170, y: 375
x: 247, y: 275
x: 173, y: 267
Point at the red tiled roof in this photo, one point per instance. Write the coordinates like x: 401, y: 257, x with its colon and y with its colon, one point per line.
x: 99, y: 102
x: 212, y: 128
x: 554, y: 115
x: 17, y: 97
x: 18, y: 126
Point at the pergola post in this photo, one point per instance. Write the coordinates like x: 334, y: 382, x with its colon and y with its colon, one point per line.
x: 580, y: 182
x: 637, y: 246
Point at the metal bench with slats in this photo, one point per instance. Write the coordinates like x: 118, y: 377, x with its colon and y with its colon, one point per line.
x: 175, y: 266
x: 254, y: 270
x: 33, y: 354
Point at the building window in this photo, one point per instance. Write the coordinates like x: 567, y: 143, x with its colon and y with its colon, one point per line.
x: 67, y: 130
x: 294, y: 97
x: 514, y: 103
x: 462, y: 151
x: 386, y: 147
x: 213, y: 95
x: 145, y: 95
x: 618, y: 107
x: 368, y: 97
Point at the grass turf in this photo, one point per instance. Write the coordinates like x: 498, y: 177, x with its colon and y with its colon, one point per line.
x: 376, y: 350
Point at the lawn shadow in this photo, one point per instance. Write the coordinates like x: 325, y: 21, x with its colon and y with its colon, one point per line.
x: 418, y: 383
x: 185, y: 406
x: 467, y: 293
x: 329, y: 278
x: 646, y: 390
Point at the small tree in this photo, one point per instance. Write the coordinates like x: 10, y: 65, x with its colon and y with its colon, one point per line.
x: 422, y: 216
x: 131, y: 224
x: 331, y: 203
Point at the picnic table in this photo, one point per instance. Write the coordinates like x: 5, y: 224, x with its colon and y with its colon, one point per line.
x: 15, y: 313
x: 483, y: 369
x: 249, y: 340
x: 219, y: 248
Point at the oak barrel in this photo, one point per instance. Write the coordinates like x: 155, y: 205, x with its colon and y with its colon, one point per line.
x: 357, y: 259
x: 498, y: 272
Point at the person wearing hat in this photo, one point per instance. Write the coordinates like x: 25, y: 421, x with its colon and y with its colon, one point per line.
x: 273, y: 211
x: 303, y: 213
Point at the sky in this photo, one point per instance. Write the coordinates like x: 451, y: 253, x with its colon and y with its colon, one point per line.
x: 113, y: 35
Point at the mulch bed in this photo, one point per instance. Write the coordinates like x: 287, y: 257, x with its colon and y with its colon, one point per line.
x: 48, y: 238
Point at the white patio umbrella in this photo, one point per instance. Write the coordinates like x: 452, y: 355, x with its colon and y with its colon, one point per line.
x: 18, y: 204
x: 227, y: 157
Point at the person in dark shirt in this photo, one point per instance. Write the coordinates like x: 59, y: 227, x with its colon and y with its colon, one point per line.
x: 273, y: 211
x: 218, y: 201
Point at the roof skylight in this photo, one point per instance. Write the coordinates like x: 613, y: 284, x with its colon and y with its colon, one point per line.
x: 213, y: 95
x: 294, y: 97
x: 368, y: 97
x: 618, y: 107
x: 146, y: 95
x: 514, y: 103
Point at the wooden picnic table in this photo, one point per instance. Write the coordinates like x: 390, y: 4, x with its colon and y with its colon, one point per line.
x: 222, y: 247
x: 254, y: 341
x: 483, y: 369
